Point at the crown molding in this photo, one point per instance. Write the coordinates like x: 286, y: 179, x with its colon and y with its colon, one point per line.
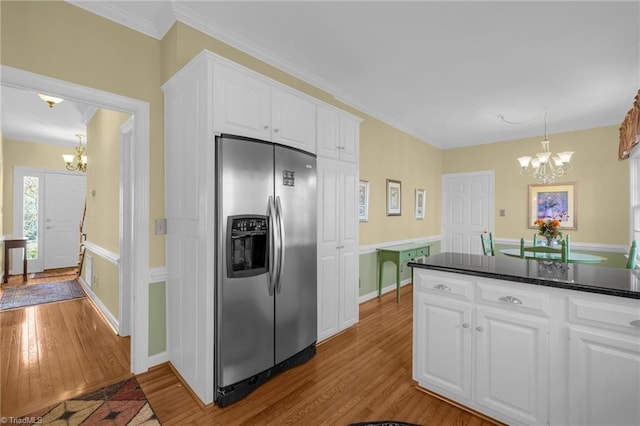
x: 112, y: 11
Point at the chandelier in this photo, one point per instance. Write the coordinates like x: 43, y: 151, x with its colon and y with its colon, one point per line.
x: 77, y: 161
x: 51, y: 100
x: 545, y: 166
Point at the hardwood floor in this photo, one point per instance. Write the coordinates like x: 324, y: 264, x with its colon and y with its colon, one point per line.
x: 55, y: 351
x: 364, y: 374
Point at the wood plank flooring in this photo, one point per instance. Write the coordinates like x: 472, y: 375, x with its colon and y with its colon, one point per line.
x: 364, y: 374
x: 55, y: 351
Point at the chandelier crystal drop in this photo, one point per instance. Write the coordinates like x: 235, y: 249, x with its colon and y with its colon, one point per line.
x: 545, y: 167
x: 78, y: 160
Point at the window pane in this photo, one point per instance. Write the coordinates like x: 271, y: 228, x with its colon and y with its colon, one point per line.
x: 30, y: 215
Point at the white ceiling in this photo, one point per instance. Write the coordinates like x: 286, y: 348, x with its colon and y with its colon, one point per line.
x: 441, y: 71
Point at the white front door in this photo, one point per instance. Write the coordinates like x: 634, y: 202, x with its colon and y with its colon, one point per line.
x: 467, y: 210
x: 64, y: 197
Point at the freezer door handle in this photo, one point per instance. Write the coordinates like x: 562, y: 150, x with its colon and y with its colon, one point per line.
x: 281, y: 242
x: 271, y: 211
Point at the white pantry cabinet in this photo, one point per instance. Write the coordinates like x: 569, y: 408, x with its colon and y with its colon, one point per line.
x: 473, y: 344
x: 337, y: 246
x: 338, y: 134
x: 248, y: 104
x: 213, y: 95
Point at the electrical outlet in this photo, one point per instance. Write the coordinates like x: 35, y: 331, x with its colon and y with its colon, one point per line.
x: 94, y: 280
x: 503, y: 212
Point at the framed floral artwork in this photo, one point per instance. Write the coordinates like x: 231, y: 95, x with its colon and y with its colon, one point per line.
x: 421, y: 199
x: 363, y: 201
x: 553, y: 201
x: 394, y: 193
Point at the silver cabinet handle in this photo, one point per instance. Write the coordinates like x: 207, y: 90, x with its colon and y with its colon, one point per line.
x: 635, y: 323
x: 479, y: 328
x: 266, y: 126
x: 511, y: 299
x: 465, y: 325
x: 275, y: 130
x: 441, y: 287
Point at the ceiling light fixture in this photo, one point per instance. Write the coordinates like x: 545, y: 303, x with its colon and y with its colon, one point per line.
x: 79, y: 157
x: 544, y: 167
x: 51, y: 100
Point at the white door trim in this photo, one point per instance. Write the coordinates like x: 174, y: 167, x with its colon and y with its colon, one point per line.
x: 138, y: 218
x: 490, y: 216
x: 127, y: 141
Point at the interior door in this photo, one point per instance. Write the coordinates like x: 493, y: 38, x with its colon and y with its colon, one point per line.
x: 64, y: 197
x: 467, y: 209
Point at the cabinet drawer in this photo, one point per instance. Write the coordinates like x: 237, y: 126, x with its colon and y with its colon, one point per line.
x: 623, y: 316
x: 442, y: 285
x: 422, y: 252
x: 513, y: 297
x: 407, y: 256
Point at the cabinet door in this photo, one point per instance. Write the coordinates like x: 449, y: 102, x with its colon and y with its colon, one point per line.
x: 442, y: 332
x: 241, y: 103
x: 293, y: 119
x: 512, y: 370
x: 604, y: 378
x: 328, y: 132
x: 349, y: 139
x: 348, y: 219
x: 328, y: 178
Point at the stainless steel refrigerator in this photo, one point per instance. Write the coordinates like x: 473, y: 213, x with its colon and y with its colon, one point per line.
x: 266, y: 296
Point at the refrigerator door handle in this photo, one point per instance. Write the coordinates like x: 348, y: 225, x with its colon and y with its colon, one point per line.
x: 281, y: 241
x: 271, y: 212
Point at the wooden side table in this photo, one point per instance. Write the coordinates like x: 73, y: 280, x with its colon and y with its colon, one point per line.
x: 12, y: 243
x: 399, y: 254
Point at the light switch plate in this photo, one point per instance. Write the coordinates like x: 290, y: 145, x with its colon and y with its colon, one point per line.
x: 161, y: 226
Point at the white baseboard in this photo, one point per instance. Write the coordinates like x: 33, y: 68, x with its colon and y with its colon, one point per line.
x: 385, y: 290
x: 158, y: 359
x: 101, y: 306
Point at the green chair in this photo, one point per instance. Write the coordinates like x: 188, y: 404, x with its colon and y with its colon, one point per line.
x: 544, y: 249
x: 487, y: 244
x: 633, y: 254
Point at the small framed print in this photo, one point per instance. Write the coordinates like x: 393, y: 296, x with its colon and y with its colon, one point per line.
x: 421, y: 199
x: 363, y: 201
x: 394, y: 193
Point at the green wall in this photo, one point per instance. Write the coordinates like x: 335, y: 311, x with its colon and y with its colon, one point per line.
x: 157, y: 318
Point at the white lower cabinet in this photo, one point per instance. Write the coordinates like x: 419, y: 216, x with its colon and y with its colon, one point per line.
x: 477, y: 346
x: 512, y: 364
x: 604, y: 367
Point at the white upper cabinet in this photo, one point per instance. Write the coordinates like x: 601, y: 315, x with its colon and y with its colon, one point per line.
x: 338, y: 134
x: 241, y: 104
x: 293, y: 120
x: 247, y: 104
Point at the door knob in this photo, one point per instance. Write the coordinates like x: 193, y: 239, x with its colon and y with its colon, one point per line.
x: 479, y: 329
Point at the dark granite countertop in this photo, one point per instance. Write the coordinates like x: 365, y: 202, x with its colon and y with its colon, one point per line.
x: 572, y: 276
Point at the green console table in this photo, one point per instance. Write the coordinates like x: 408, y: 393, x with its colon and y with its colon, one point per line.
x: 399, y: 254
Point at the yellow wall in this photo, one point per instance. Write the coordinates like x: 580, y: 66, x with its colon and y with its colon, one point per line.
x: 104, y: 282
x: 602, y: 182
x: 103, y: 177
x: 26, y: 154
x: 385, y: 152
x: 59, y: 40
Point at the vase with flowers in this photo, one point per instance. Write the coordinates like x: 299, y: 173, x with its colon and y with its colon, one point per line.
x: 550, y: 229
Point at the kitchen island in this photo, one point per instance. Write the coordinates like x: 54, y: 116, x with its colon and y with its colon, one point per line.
x: 527, y: 341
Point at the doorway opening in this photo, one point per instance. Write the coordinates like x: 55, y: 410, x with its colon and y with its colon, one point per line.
x: 136, y: 218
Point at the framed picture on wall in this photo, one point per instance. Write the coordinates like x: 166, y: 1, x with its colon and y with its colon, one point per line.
x: 363, y: 201
x: 394, y: 193
x: 555, y: 201
x: 421, y: 199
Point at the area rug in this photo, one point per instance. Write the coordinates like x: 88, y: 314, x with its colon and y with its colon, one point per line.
x: 121, y: 404
x: 36, y: 294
